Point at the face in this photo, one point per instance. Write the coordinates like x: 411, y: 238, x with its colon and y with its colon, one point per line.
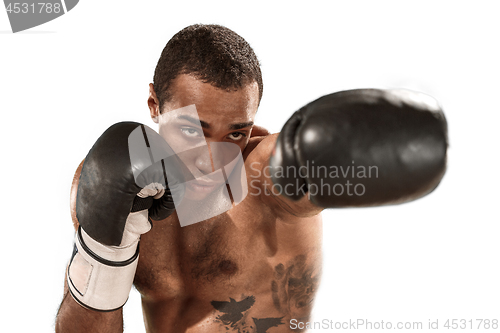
x: 219, y: 116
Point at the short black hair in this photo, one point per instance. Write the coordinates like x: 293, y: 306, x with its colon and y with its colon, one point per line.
x: 212, y: 53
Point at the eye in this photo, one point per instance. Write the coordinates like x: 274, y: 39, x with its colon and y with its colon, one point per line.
x: 237, y: 136
x: 191, y: 132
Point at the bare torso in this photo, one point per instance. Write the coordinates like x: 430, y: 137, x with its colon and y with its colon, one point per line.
x: 251, y: 269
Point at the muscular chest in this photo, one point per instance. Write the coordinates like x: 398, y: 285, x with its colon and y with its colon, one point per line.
x: 234, y: 271
x: 231, y: 252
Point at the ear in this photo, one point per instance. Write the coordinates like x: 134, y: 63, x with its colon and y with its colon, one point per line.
x: 153, y: 104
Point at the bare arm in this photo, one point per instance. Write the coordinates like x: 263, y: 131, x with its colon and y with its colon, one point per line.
x: 74, y: 318
x: 261, y: 184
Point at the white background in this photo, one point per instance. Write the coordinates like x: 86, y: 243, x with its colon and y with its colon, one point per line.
x: 63, y: 83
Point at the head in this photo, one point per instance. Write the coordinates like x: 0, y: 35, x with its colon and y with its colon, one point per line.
x: 213, y: 54
x: 216, y: 70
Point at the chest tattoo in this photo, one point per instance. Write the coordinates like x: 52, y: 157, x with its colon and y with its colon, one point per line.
x: 293, y: 287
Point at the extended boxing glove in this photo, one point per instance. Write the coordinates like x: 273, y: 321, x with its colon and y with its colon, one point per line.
x: 124, y: 181
x: 362, y: 147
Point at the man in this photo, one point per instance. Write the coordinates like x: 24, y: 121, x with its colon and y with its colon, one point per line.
x: 255, y: 266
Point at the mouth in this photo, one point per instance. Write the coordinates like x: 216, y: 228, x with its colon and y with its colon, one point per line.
x: 199, y: 186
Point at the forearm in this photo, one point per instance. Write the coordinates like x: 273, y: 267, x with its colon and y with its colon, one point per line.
x: 74, y: 318
x: 110, y: 211
x: 261, y: 185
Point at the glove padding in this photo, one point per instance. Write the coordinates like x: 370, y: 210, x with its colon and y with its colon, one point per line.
x: 107, y: 189
x: 401, y: 134
x: 119, y: 189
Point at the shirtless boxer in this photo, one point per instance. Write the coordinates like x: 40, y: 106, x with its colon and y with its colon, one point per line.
x: 256, y: 266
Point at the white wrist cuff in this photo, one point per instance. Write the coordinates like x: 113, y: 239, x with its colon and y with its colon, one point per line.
x: 100, y: 277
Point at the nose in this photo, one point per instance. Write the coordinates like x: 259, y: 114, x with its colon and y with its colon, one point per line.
x: 203, y: 161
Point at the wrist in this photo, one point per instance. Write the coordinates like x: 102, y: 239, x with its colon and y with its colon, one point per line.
x: 99, y: 276
x: 103, y: 252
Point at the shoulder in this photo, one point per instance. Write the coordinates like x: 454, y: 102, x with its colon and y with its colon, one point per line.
x: 260, y: 147
x: 260, y: 184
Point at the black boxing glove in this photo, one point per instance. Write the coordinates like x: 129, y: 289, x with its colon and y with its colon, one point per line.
x: 362, y: 147
x: 123, y: 183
